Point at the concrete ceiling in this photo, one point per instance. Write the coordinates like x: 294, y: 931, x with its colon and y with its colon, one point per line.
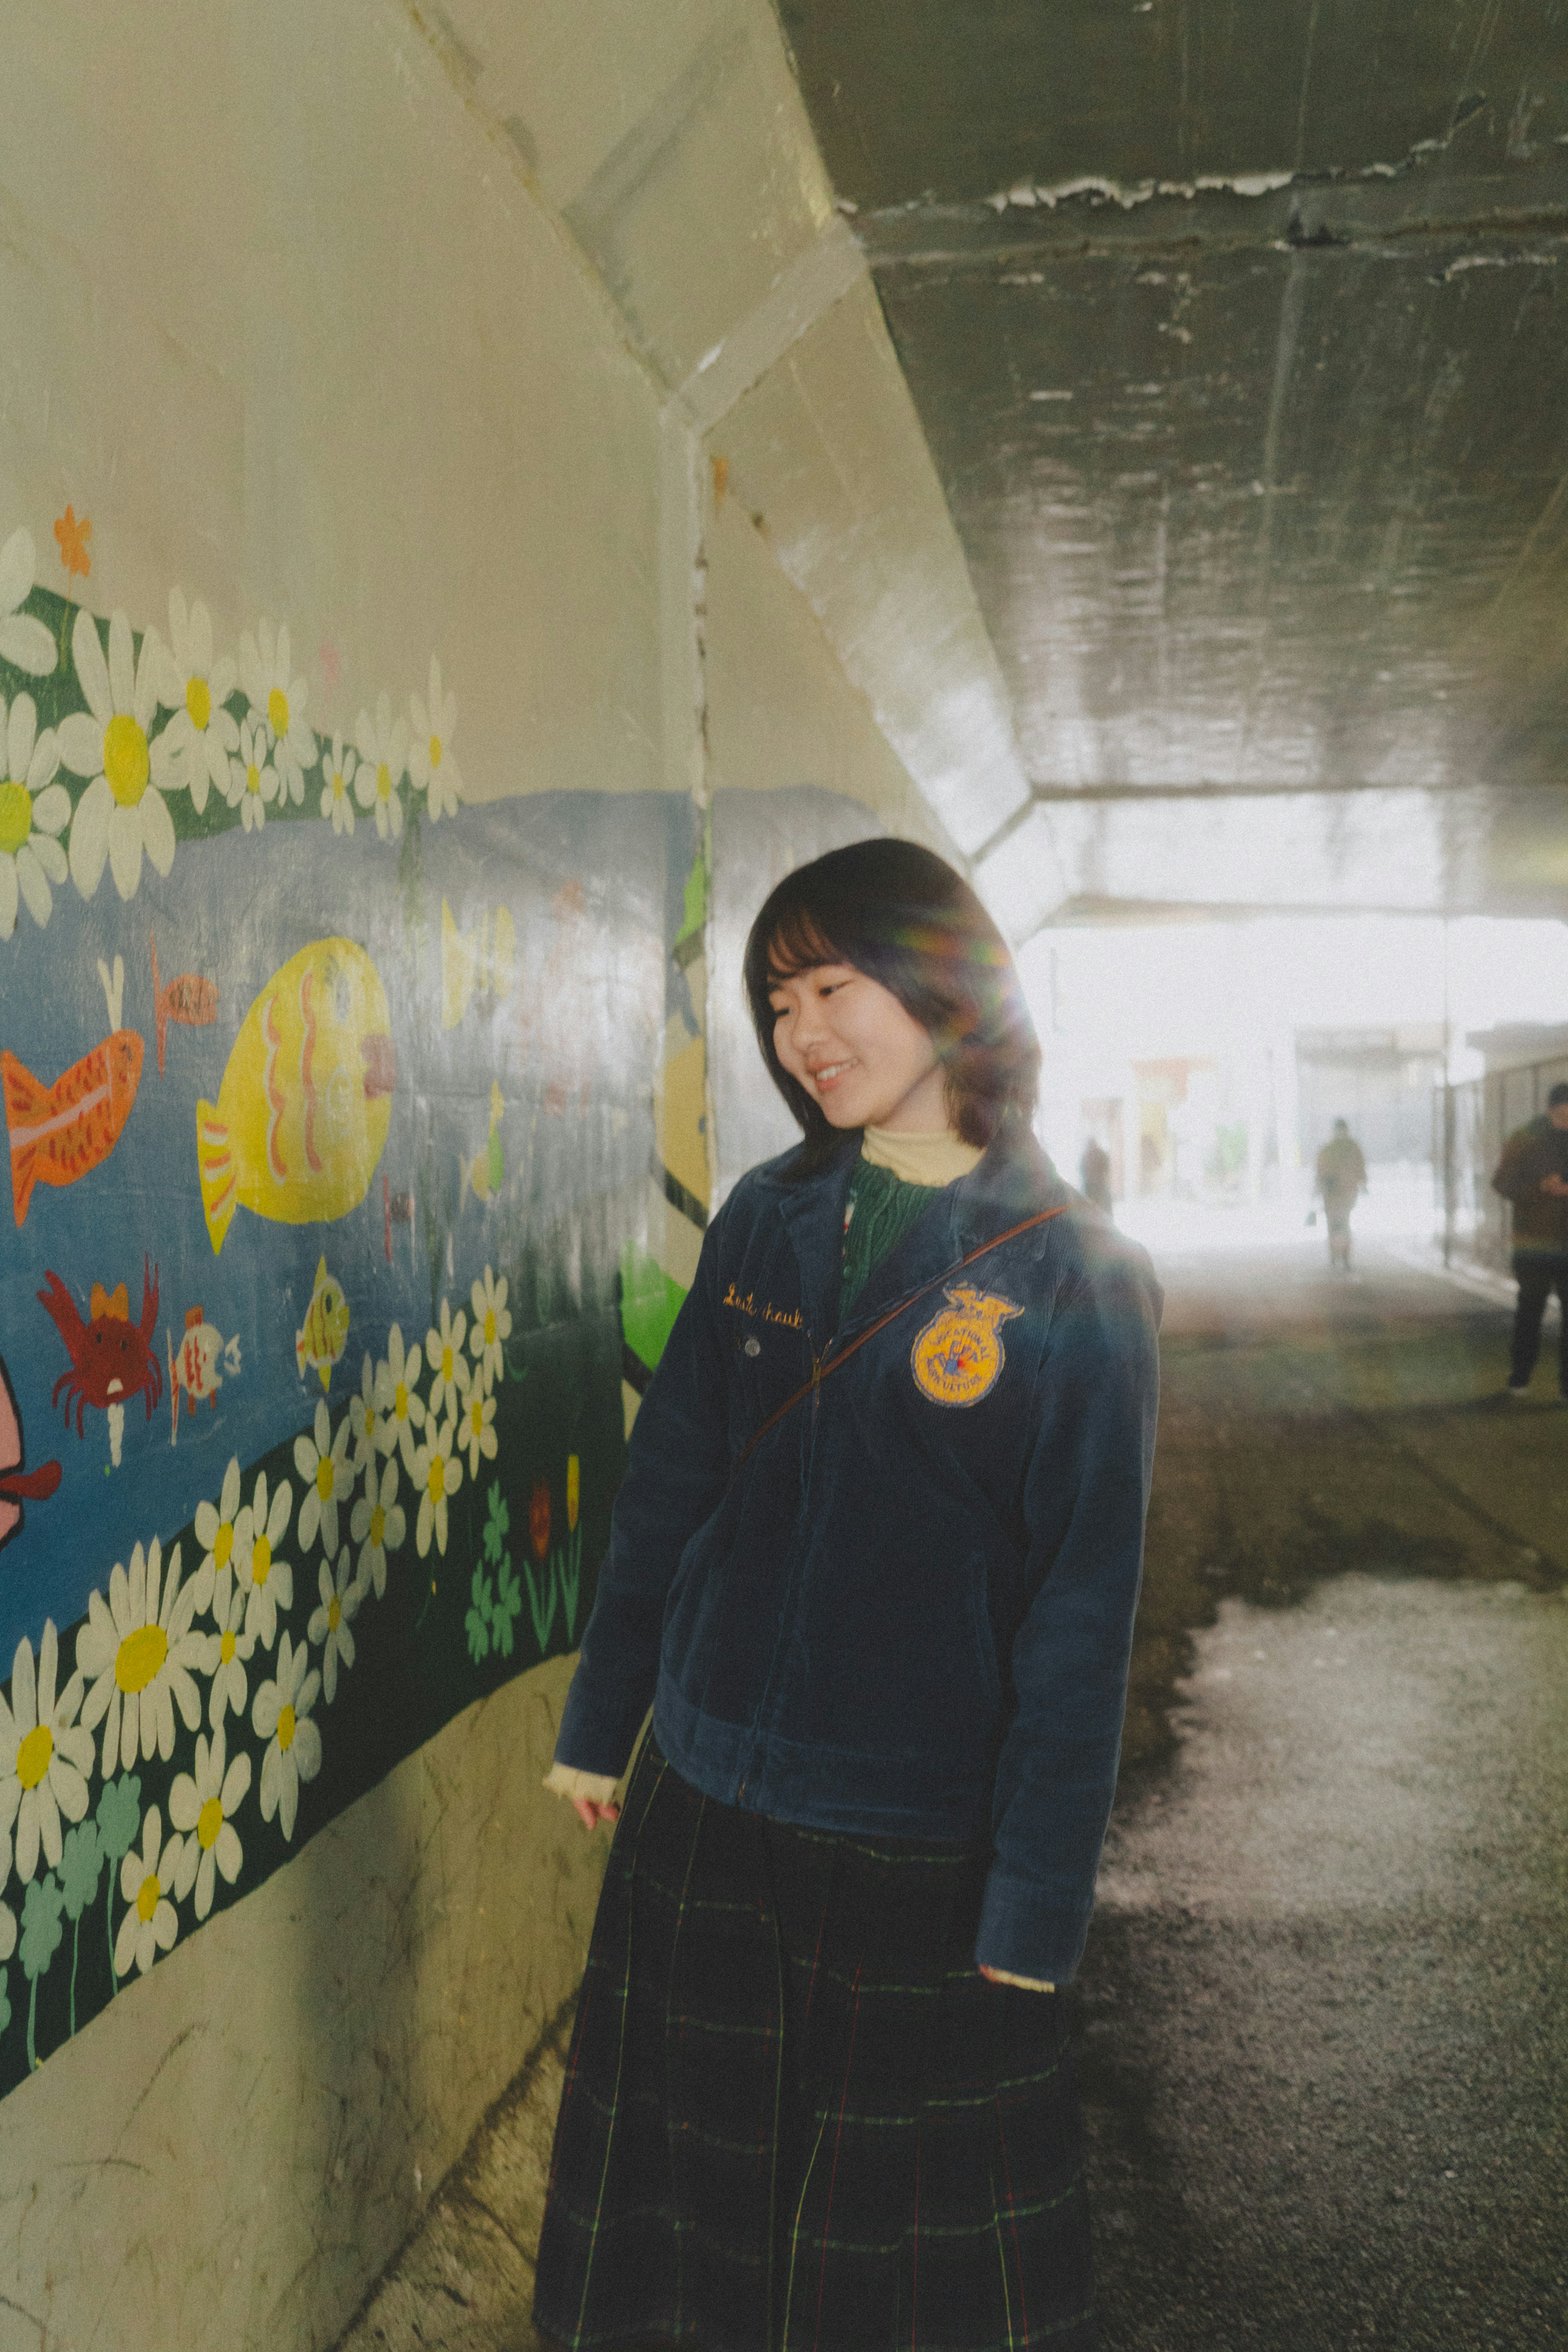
x: 1239, y: 330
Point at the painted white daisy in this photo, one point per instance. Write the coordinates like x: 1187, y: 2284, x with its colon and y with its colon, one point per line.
x: 328, y: 1479
x: 45, y: 1755
x: 398, y: 1401
x: 23, y: 642
x: 337, y: 795
x: 475, y: 1429
x: 33, y: 812
x: 253, y: 785
x: 278, y: 698
x: 228, y: 1649
x: 192, y: 753
x: 364, y: 1420
x: 438, y: 1477
x: 268, y: 1580
x: 222, y: 1531
x: 147, y: 1880
x: 139, y: 1655
x: 492, y: 1325
x: 383, y: 757
x: 449, y: 1373
x: 204, y: 1804
x: 329, y: 1623
x: 431, y: 765
x: 378, y: 1526
x: 122, y: 811
x: 281, y: 1716
x: 7, y: 1916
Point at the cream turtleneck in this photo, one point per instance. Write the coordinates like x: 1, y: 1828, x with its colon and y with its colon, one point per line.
x: 935, y: 1159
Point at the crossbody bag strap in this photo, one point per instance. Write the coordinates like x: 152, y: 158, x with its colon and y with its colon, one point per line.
x: 821, y: 1371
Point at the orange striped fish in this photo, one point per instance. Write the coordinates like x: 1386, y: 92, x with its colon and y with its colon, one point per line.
x: 57, y: 1133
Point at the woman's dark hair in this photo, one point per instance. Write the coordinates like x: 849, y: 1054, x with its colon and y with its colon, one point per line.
x: 901, y: 915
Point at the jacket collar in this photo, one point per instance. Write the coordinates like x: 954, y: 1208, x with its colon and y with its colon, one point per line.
x: 813, y: 1214
x: 1014, y: 1179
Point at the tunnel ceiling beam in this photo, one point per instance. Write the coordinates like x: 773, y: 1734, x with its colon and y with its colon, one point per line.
x: 1237, y: 329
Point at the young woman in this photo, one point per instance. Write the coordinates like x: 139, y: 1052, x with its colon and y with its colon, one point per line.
x: 874, y: 1563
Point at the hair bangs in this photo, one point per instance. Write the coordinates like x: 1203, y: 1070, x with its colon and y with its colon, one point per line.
x: 797, y: 943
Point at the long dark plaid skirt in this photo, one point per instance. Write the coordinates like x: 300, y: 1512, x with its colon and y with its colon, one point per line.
x: 796, y: 2118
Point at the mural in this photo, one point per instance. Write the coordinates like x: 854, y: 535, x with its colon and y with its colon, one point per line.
x: 358, y: 1162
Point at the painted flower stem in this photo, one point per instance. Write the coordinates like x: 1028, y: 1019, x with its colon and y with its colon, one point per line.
x: 75, y: 1955
x: 109, y: 1931
x: 32, y: 2024
x: 543, y: 1617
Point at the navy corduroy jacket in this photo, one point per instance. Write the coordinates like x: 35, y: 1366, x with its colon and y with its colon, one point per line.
x: 908, y: 1611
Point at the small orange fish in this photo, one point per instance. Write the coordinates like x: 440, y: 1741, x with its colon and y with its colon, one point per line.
x: 57, y: 1133
x: 188, y: 998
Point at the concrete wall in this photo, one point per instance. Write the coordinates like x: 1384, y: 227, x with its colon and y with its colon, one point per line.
x: 425, y: 329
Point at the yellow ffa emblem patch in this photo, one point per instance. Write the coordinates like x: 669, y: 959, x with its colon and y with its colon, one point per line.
x: 959, y: 1355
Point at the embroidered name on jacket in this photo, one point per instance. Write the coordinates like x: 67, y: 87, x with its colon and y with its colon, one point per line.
x: 959, y: 1356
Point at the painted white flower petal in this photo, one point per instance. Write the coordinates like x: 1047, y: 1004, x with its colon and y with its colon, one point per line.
x: 89, y: 835
x: 125, y: 850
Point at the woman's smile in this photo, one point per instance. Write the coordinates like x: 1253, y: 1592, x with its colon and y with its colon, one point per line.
x: 858, y: 1054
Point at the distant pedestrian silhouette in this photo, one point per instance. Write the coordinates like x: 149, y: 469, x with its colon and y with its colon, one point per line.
x: 1532, y: 1175
x: 1094, y: 1175
x: 1341, y: 1176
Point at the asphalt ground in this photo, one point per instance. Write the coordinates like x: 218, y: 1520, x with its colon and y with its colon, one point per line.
x: 1322, y: 2024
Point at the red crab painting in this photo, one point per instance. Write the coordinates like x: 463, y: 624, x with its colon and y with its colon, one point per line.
x: 112, y: 1357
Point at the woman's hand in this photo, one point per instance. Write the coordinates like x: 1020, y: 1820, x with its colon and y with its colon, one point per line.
x: 590, y: 1813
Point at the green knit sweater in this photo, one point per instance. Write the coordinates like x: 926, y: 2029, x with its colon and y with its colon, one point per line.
x: 882, y: 1208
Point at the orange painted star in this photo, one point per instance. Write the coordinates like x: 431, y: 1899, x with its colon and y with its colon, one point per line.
x: 73, y: 536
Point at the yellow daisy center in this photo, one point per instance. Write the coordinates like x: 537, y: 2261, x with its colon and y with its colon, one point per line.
x: 147, y: 1896
x: 226, y: 1646
x: 261, y: 1560
x: 435, y: 752
x: 383, y: 782
x: 33, y: 1756
x: 126, y: 761
x: 253, y: 778
x: 371, y: 1425
x: 286, y: 1729
x: 224, y: 1544
x: 337, y: 783
x: 140, y: 1656
x: 489, y: 1327
x: 334, y: 1614
x: 400, y: 1401
x: 324, y: 1478
x: 477, y: 1417
x: 436, y: 1482
x: 378, y: 1526
x: 199, y: 703
x: 277, y: 712
x: 16, y: 816
x: 209, y: 1821
x: 446, y: 1363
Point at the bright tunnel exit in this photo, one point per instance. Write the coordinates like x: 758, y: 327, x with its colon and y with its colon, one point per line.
x: 1208, y: 1060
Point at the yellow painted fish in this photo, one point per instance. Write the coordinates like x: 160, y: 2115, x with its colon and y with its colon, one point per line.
x: 303, y: 1110
x: 321, y: 1343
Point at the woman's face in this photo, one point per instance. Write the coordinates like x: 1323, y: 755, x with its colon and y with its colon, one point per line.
x: 858, y: 1054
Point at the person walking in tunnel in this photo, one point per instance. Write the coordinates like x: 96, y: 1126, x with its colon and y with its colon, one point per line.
x: 874, y: 1563
x: 1341, y: 1179
x: 1094, y: 1174
x: 1532, y: 1177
